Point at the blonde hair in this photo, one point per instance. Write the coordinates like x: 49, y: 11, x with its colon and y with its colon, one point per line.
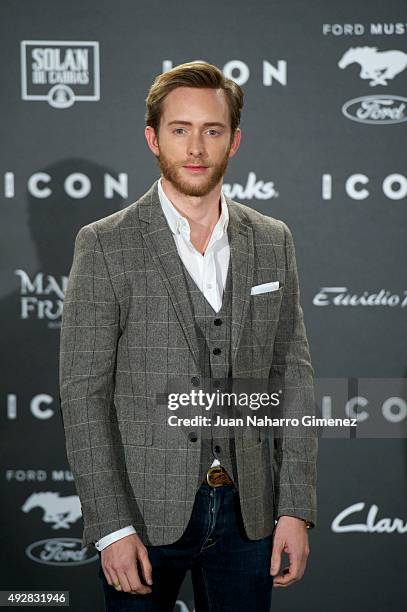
x: 198, y: 74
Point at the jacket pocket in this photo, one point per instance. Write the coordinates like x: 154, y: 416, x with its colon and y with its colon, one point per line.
x: 268, y: 294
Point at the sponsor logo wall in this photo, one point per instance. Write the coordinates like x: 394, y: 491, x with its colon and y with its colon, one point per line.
x: 323, y: 149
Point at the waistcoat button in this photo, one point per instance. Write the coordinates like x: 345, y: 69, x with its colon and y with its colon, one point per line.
x: 192, y: 436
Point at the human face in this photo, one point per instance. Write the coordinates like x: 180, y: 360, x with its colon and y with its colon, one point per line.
x: 194, y: 142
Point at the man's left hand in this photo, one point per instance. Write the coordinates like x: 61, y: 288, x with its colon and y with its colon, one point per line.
x: 290, y: 536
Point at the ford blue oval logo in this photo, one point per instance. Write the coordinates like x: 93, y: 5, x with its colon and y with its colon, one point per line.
x: 60, y: 551
x: 382, y: 109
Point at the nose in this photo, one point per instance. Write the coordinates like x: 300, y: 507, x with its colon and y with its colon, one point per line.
x: 195, y: 146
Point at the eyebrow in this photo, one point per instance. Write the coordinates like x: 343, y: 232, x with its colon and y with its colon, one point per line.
x: 207, y: 124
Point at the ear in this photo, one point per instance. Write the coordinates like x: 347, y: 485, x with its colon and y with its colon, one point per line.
x: 236, y: 142
x: 152, y: 139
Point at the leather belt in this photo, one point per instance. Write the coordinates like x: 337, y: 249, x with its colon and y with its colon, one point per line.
x: 217, y: 476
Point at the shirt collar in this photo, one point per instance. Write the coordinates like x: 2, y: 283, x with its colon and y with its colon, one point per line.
x: 179, y: 224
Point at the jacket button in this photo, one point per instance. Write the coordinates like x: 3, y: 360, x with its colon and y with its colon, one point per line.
x: 218, y: 321
x: 195, y: 381
x: 216, y: 351
x: 192, y: 436
x: 217, y: 449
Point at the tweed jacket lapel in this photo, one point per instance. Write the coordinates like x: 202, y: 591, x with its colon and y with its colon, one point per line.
x: 160, y: 242
x: 241, y: 261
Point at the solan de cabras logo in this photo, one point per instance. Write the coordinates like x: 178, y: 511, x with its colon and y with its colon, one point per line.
x: 60, y: 72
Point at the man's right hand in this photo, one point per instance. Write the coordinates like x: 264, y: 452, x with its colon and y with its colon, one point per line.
x: 126, y: 565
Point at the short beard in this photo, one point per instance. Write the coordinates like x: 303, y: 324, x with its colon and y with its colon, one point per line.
x: 171, y: 173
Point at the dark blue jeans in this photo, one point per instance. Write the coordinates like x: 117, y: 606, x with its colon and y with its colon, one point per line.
x: 230, y: 573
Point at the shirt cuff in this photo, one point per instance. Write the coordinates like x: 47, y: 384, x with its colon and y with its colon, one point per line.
x: 114, y: 536
x: 308, y: 524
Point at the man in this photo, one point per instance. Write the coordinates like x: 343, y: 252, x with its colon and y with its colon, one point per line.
x: 187, y: 285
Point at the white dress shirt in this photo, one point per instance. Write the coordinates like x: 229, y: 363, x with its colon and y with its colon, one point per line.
x: 209, y: 273
x: 210, y: 269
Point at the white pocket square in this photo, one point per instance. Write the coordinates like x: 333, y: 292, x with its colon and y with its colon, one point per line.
x: 265, y: 288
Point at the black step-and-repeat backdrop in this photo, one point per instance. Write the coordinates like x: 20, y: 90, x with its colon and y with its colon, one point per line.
x: 323, y: 148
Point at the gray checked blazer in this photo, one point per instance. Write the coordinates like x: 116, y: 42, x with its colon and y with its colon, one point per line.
x: 128, y: 329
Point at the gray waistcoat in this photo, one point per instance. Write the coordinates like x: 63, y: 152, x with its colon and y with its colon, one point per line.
x: 213, y: 330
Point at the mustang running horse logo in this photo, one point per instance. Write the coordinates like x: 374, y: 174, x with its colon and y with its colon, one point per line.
x: 62, y: 511
x: 376, y: 66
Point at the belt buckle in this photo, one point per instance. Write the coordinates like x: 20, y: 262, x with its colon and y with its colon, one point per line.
x: 216, y: 476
